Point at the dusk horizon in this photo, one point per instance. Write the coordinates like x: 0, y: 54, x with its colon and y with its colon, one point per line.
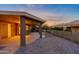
x: 39, y: 28
x: 58, y: 13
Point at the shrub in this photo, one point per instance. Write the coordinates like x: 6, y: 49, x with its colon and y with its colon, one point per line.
x: 58, y: 28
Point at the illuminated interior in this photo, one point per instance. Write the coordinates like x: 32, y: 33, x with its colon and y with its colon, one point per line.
x: 9, y: 30
x: 10, y: 27
x: 27, y: 28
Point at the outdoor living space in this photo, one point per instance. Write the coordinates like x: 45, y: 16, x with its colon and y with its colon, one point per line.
x: 10, y: 45
x: 11, y: 33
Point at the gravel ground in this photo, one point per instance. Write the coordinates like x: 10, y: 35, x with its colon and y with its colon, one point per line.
x: 50, y: 44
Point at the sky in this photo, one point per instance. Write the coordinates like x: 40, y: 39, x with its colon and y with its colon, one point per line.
x: 58, y: 13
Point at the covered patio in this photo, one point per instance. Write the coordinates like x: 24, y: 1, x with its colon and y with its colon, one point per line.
x: 18, y: 23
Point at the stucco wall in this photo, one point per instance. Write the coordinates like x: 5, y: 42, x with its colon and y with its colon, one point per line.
x: 13, y: 30
x: 3, y: 30
x: 73, y: 36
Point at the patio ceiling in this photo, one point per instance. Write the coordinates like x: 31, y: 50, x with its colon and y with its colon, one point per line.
x: 16, y: 19
x: 21, y: 13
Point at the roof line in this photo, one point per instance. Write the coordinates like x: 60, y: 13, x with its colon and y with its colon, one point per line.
x: 7, y: 12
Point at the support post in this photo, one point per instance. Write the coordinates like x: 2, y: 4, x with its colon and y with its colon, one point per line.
x: 40, y: 30
x: 22, y: 31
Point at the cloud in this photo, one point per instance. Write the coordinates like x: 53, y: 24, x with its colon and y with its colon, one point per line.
x: 57, y: 13
x: 51, y: 16
x: 34, y: 6
x: 61, y: 17
x: 42, y: 14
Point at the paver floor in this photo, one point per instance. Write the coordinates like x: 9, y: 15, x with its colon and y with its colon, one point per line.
x: 51, y: 45
x: 10, y: 45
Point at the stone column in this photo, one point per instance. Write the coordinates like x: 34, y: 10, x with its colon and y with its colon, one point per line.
x: 40, y: 30
x: 22, y: 31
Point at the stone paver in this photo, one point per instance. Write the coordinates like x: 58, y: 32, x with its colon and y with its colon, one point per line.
x: 12, y: 44
x: 49, y: 44
x: 53, y: 45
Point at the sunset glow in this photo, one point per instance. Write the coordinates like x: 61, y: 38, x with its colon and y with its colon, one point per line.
x: 39, y: 28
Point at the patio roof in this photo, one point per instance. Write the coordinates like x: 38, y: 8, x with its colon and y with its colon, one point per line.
x: 23, y: 13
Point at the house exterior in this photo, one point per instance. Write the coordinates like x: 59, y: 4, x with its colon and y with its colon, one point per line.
x: 14, y: 23
x: 74, y: 28
x: 71, y: 26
